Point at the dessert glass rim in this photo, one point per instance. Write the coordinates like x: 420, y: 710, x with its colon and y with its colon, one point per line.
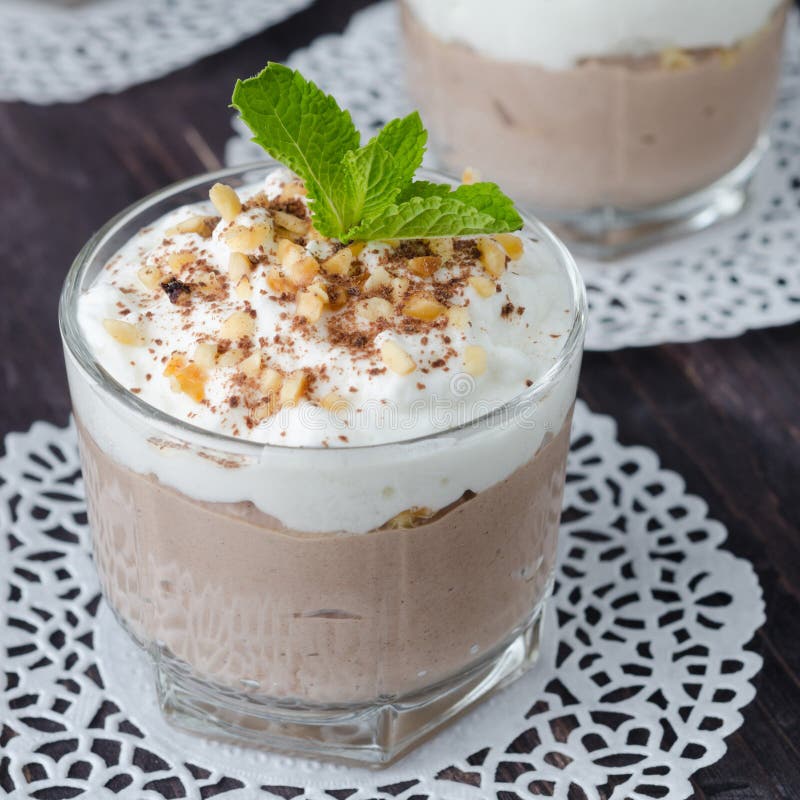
x: 73, y: 338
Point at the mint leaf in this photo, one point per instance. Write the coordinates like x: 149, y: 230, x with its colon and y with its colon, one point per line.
x: 425, y: 216
x: 423, y: 189
x: 405, y: 139
x: 434, y: 210
x: 362, y: 192
x: 374, y: 175
x: 304, y: 128
x: 488, y: 198
x: 369, y: 183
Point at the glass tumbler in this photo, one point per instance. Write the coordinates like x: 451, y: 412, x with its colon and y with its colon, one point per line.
x: 331, y: 641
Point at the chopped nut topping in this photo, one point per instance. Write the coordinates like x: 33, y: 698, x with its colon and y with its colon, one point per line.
x: 177, y: 361
x: 400, y: 286
x: 202, y: 226
x: 150, y: 277
x: 239, y: 265
x: 205, y: 354
x: 334, y: 403
x: 458, y: 317
x: 729, y: 56
x: 318, y: 288
x: 123, y: 332
x: 375, y: 308
x: 226, y: 201
x: 511, y: 244
x: 298, y: 266
x: 313, y: 235
x: 282, y: 233
x: 309, y: 305
x: 289, y: 250
x: 238, y: 325
x: 207, y: 282
x: 396, y: 359
x: 187, y: 378
x: 442, y: 247
x: 294, y: 388
x: 337, y: 297
x: 248, y: 240
x: 424, y: 307
x: 291, y: 223
x: 410, y: 518
x: 378, y: 278
x: 424, y: 266
x: 474, y: 360
x: 251, y: 366
x: 339, y: 263
x: 676, y: 59
x: 470, y: 175
x: 265, y: 409
x: 271, y: 381
x: 292, y: 190
x: 177, y: 261
x: 192, y: 381
x: 482, y: 285
x: 493, y: 256
x: 244, y: 290
x: 413, y: 289
x: 230, y: 358
x: 278, y: 283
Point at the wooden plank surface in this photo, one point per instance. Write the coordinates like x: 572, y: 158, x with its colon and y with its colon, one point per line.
x: 724, y: 414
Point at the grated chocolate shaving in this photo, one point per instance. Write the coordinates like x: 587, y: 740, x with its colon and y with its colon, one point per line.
x: 176, y: 290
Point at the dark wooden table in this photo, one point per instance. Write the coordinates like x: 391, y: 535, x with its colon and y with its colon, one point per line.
x: 724, y: 414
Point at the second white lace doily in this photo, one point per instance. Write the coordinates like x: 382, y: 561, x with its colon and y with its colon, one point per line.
x: 642, y: 675
x: 740, y: 275
x: 55, y: 51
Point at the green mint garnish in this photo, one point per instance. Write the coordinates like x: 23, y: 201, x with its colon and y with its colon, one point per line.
x: 362, y: 192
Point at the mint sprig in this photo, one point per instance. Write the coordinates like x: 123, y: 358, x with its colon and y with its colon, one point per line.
x: 359, y: 192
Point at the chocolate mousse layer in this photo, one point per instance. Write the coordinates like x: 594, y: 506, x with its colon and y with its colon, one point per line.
x: 622, y: 132
x: 333, y: 618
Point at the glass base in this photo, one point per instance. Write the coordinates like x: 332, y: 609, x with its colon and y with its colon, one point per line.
x: 607, y: 233
x: 375, y: 735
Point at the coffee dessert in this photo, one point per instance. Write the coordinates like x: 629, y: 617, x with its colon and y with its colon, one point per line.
x: 580, y: 105
x: 324, y: 476
x: 291, y: 341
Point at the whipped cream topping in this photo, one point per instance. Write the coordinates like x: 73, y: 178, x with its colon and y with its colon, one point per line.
x: 173, y: 289
x: 557, y: 34
x: 520, y: 328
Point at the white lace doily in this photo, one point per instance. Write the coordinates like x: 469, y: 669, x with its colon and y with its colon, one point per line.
x: 642, y: 674
x: 740, y: 275
x: 54, y: 51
